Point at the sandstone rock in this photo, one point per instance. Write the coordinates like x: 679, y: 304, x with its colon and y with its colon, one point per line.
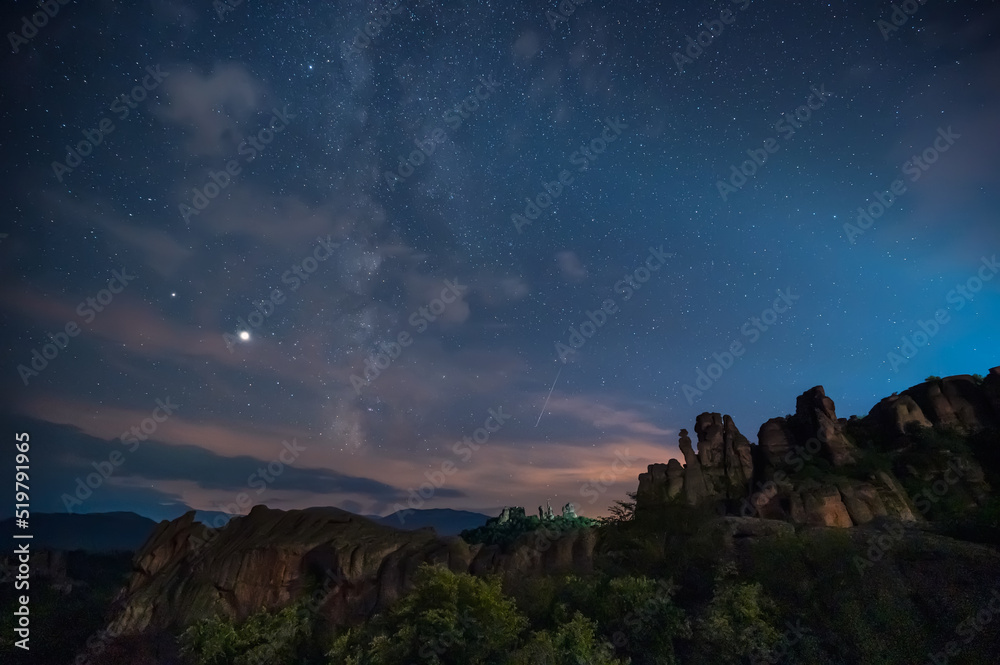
x: 894, y: 413
x: 991, y: 387
x: 695, y: 487
x: 652, y: 485
x: 956, y: 401
x: 675, y: 478
x: 775, y: 440
x: 823, y: 507
x: 894, y: 498
x: 724, y: 454
x: 272, y: 557
x: 862, y: 502
x: 816, y: 416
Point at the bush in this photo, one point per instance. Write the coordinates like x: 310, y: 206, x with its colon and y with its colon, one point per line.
x: 637, y: 614
x: 265, y: 638
x: 571, y: 643
x: 736, y: 625
x: 447, y: 618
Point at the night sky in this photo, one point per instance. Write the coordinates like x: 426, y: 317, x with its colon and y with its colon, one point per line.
x: 261, y: 236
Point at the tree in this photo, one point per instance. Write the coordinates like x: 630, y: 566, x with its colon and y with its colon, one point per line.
x: 621, y: 511
x: 265, y: 638
x: 447, y: 619
x: 571, y: 643
x: 736, y: 624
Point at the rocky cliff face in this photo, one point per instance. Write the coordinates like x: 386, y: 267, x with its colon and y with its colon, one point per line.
x: 804, y: 468
x: 271, y: 558
x: 954, y: 401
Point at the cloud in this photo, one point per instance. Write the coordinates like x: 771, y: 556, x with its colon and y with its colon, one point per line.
x: 570, y: 266
x: 213, y: 106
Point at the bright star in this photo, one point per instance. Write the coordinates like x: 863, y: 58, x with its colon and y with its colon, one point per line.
x: 244, y: 335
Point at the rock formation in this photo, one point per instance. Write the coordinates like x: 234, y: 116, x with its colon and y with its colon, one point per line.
x: 954, y: 401
x: 724, y: 454
x: 269, y: 558
x: 815, y: 416
x: 766, y: 479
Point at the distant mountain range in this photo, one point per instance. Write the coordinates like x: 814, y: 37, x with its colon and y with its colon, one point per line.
x: 94, y: 532
x: 125, y: 531
x: 445, y: 521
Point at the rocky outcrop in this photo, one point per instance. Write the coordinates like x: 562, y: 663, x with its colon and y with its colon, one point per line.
x: 956, y: 401
x: 270, y: 558
x: 896, y: 412
x: 695, y: 487
x: 767, y: 479
x: 661, y: 482
x: 775, y: 441
x: 724, y: 454
x: 815, y: 416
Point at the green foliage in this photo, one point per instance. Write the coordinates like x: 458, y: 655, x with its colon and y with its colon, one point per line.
x: 496, y: 533
x: 447, y: 618
x: 737, y: 624
x: 640, y: 615
x: 932, y: 378
x: 637, y: 614
x: 571, y: 643
x: 265, y: 638
x: 978, y: 379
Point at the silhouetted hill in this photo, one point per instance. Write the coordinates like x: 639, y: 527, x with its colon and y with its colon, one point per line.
x: 94, y: 532
x: 445, y: 521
